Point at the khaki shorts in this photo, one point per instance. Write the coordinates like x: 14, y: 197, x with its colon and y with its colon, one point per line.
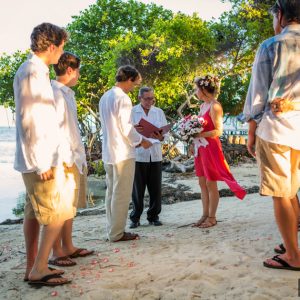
x: 55, y: 199
x: 279, y: 169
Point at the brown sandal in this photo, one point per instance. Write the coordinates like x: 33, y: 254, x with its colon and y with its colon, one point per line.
x: 78, y: 253
x: 200, y: 221
x: 127, y: 236
x: 62, y: 261
x: 209, y: 222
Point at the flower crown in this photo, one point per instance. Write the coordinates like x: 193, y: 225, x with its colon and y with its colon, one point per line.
x: 207, y: 81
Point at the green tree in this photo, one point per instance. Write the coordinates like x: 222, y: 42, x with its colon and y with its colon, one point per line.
x: 238, y: 35
x: 9, y: 65
x: 169, y: 55
x: 90, y: 36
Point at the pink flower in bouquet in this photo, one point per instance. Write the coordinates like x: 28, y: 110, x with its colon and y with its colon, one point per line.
x: 190, y: 126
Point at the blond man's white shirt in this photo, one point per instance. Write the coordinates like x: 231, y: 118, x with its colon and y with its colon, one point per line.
x: 71, y: 149
x: 36, y: 119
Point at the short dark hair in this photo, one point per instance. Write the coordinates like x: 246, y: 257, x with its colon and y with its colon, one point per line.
x: 274, y: 9
x: 66, y: 60
x: 127, y: 72
x: 145, y: 89
x: 290, y: 9
x: 46, y: 34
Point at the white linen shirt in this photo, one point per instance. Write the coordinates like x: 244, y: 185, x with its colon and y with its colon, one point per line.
x: 156, y: 117
x: 119, y: 135
x: 71, y: 148
x: 36, y: 119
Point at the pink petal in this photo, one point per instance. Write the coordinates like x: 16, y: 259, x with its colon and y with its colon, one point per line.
x: 54, y: 294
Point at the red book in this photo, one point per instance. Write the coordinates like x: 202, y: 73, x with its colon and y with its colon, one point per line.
x: 149, y: 128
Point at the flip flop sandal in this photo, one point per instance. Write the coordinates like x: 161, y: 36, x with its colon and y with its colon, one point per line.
x: 283, y: 264
x: 51, y: 269
x: 44, y: 281
x: 282, y: 249
x: 77, y: 253
x: 59, y: 261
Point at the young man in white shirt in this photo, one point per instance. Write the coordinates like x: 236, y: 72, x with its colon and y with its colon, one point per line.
x: 71, y: 154
x: 118, y: 151
x: 148, y: 171
x: 36, y: 153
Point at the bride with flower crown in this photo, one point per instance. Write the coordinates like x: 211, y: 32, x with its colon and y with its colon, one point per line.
x: 210, y: 163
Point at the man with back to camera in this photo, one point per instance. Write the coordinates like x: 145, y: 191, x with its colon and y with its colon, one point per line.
x: 272, y: 110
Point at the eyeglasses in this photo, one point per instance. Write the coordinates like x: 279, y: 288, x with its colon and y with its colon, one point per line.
x: 148, y: 98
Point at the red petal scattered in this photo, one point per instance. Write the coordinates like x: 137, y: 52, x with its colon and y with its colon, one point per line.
x: 116, y: 250
x: 54, y: 294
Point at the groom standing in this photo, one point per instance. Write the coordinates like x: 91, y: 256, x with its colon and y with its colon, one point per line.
x: 118, y: 151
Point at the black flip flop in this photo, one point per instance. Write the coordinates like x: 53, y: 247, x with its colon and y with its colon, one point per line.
x: 44, y: 281
x: 51, y: 269
x: 284, y: 264
x: 282, y: 249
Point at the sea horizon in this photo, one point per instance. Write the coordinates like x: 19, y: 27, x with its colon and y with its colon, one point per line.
x: 12, y: 188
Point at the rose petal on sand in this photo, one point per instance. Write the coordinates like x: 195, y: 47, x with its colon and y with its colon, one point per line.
x: 110, y: 270
x: 54, y: 294
x: 116, y: 250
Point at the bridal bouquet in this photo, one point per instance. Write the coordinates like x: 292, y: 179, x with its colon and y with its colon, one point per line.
x: 190, y: 126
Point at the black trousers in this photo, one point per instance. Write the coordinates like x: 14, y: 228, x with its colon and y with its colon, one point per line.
x: 147, y: 174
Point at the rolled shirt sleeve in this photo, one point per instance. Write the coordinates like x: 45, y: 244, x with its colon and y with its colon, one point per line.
x: 260, y: 82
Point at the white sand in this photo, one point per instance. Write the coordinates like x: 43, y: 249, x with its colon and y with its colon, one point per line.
x: 173, y: 261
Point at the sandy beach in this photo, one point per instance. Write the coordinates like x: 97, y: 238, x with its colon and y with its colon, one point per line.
x: 174, y: 261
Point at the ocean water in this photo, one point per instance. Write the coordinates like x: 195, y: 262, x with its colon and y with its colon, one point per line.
x: 12, y: 189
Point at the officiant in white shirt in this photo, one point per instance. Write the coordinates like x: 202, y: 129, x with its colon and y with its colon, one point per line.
x: 148, y: 168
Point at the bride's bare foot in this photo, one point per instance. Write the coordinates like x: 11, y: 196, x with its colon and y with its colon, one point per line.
x: 200, y: 221
x: 209, y: 222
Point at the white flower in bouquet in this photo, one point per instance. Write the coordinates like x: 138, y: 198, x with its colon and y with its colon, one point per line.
x: 189, y: 126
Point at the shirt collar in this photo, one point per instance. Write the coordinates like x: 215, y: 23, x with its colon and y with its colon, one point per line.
x: 62, y: 87
x: 39, y: 63
x: 140, y: 109
x: 289, y: 28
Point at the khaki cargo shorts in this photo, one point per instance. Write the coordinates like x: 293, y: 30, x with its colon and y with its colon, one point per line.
x: 279, y: 169
x: 55, y: 199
